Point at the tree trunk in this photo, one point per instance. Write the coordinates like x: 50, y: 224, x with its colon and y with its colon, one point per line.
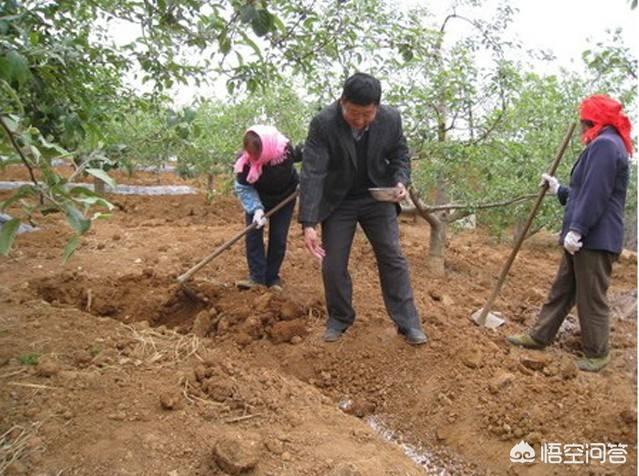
x: 436, y: 252
x: 210, y: 182
x: 438, y: 231
x: 98, y: 186
x: 438, y: 228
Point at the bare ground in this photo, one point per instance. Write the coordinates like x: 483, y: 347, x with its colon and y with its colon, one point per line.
x: 108, y: 367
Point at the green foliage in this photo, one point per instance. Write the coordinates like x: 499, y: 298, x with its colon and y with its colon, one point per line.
x: 205, y: 138
x: 480, y: 131
x: 7, y: 235
x: 63, y: 95
x: 49, y: 192
x: 222, y: 126
x: 484, y: 132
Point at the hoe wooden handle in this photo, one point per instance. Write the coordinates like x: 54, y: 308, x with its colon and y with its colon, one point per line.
x: 481, y: 320
x: 222, y: 248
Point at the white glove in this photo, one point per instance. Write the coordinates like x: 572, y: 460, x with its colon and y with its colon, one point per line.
x: 259, y: 219
x: 553, y: 183
x: 572, y: 242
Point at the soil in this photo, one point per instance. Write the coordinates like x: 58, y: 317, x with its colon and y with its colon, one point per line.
x: 108, y: 366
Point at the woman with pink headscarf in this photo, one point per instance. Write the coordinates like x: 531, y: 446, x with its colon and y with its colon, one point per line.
x: 264, y: 177
x: 592, y: 232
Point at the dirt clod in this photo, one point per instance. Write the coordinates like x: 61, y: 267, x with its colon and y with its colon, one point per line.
x: 284, y: 331
x: 47, y: 367
x: 237, y: 453
x: 535, y: 361
x: 170, y: 400
x: 201, y: 324
x: 567, y: 368
x: 471, y: 358
x: 500, y: 381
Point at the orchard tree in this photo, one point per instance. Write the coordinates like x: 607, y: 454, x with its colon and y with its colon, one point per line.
x: 483, y: 131
x: 61, y: 76
x: 452, y: 107
x: 221, y: 126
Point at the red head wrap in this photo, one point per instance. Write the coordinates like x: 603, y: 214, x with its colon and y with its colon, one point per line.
x: 604, y: 111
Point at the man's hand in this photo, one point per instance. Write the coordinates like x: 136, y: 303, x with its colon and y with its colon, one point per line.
x: 259, y: 219
x: 553, y: 183
x: 313, y: 243
x: 401, y: 192
x: 572, y: 242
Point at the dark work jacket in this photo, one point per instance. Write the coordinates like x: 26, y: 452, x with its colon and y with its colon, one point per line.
x: 330, y: 160
x: 277, y: 181
x: 596, y: 197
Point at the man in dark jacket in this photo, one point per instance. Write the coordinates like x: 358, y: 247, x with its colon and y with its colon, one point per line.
x: 352, y: 145
x: 592, y: 233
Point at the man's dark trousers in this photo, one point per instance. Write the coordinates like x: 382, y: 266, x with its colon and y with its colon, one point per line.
x: 379, y: 222
x: 582, y: 278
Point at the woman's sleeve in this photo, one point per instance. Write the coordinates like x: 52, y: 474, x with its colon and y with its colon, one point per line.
x: 249, y: 198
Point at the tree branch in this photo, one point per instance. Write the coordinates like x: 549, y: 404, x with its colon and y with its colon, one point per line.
x: 458, y: 215
x: 18, y: 150
x: 432, y: 219
x: 429, y: 209
x: 488, y: 130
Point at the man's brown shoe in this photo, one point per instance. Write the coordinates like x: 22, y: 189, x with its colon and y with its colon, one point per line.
x: 593, y: 364
x: 524, y: 340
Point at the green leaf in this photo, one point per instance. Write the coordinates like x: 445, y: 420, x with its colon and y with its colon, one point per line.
x: 247, y: 13
x: 225, y: 43
x: 262, y: 23
x: 100, y: 216
x: 76, y: 219
x: 252, y: 44
x: 102, y: 175
x: 11, y: 122
x: 52, y: 146
x: 279, y: 24
x: 95, y: 201
x: 7, y: 235
x: 70, y: 248
x: 14, y: 67
x: 37, y: 155
x: 81, y: 190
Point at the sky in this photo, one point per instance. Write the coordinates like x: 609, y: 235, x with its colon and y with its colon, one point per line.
x: 565, y: 26
x: 562, y: 26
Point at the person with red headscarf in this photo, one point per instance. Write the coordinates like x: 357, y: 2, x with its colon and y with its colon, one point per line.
x: 264, y: 177
x: 592, y: 232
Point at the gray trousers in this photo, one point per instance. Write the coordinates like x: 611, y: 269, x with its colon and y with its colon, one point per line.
x: 379, y: 222
x: 582, y: 279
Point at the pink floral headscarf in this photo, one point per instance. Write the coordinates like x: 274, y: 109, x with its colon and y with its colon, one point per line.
x: 273, y: 147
